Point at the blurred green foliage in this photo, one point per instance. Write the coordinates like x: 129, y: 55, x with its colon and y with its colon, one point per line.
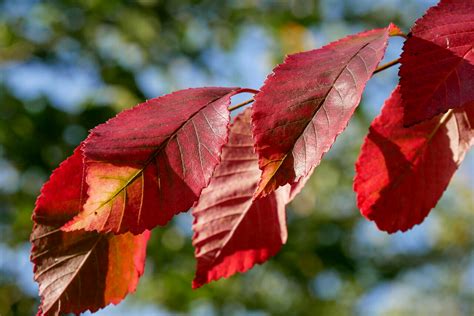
x: 335, y: 263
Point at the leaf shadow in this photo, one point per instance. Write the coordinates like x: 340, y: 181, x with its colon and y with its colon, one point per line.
x: 412, y: 191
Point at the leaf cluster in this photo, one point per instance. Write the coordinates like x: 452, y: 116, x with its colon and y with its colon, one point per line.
x: 182, y: 151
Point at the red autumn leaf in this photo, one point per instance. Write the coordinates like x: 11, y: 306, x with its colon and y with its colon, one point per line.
x: 232, y: 232
x: 308, y: 101
x: 151, y: 162
x: 402, y: 172
x: 437, y: 63
x: 79, y: 271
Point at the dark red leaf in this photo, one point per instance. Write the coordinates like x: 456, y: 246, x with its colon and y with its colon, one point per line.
x: 308, y: 101
x: 402, y: 172
x: 232, y: 233
x: 151, y: 162
x: 437, y: 63
x: 79, y: 271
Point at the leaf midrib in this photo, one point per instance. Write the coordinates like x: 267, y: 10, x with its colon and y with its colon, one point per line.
x: 313, y: 114
x: 79, y: 268
x: 154, y: 154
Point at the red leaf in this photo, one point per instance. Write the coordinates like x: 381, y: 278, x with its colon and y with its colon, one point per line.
x: 308, y: 101
x: 151, y: 162
x: 402, y: 172
x: 79, y: 271
x: 232, y: 233
x: 437, y: 63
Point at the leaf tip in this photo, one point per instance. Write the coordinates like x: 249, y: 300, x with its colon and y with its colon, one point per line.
x: 394, y: 30
x: 196, y: 284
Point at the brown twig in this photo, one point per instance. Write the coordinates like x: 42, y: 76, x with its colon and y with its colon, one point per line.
x: 386, y: 66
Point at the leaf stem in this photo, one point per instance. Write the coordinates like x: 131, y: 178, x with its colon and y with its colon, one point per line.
x: 386, y: 66
x: 446, y: 116
x: 403, y: 35
x: 238, y: 106
x: 442, y: 121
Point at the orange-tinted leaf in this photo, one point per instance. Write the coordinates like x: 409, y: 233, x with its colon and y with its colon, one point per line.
x: 437, y: 63
x: 308, y: 101
x: 79, y: 271
x: 402, y: 172
x: 151, y: 162
x: 232, y: 232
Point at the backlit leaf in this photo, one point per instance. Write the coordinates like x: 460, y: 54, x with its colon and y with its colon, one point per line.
x: 402, y: 172
x: 151, y: 162
x: 308, y: 101
x: 232, y: 233
x: 79, y: 271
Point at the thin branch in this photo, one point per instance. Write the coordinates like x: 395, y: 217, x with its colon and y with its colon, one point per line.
x: 403, y: 35
x: 237, y: 106
x: 386, y: 66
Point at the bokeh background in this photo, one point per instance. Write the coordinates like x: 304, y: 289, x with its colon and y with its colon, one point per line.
x: 66, y: 66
